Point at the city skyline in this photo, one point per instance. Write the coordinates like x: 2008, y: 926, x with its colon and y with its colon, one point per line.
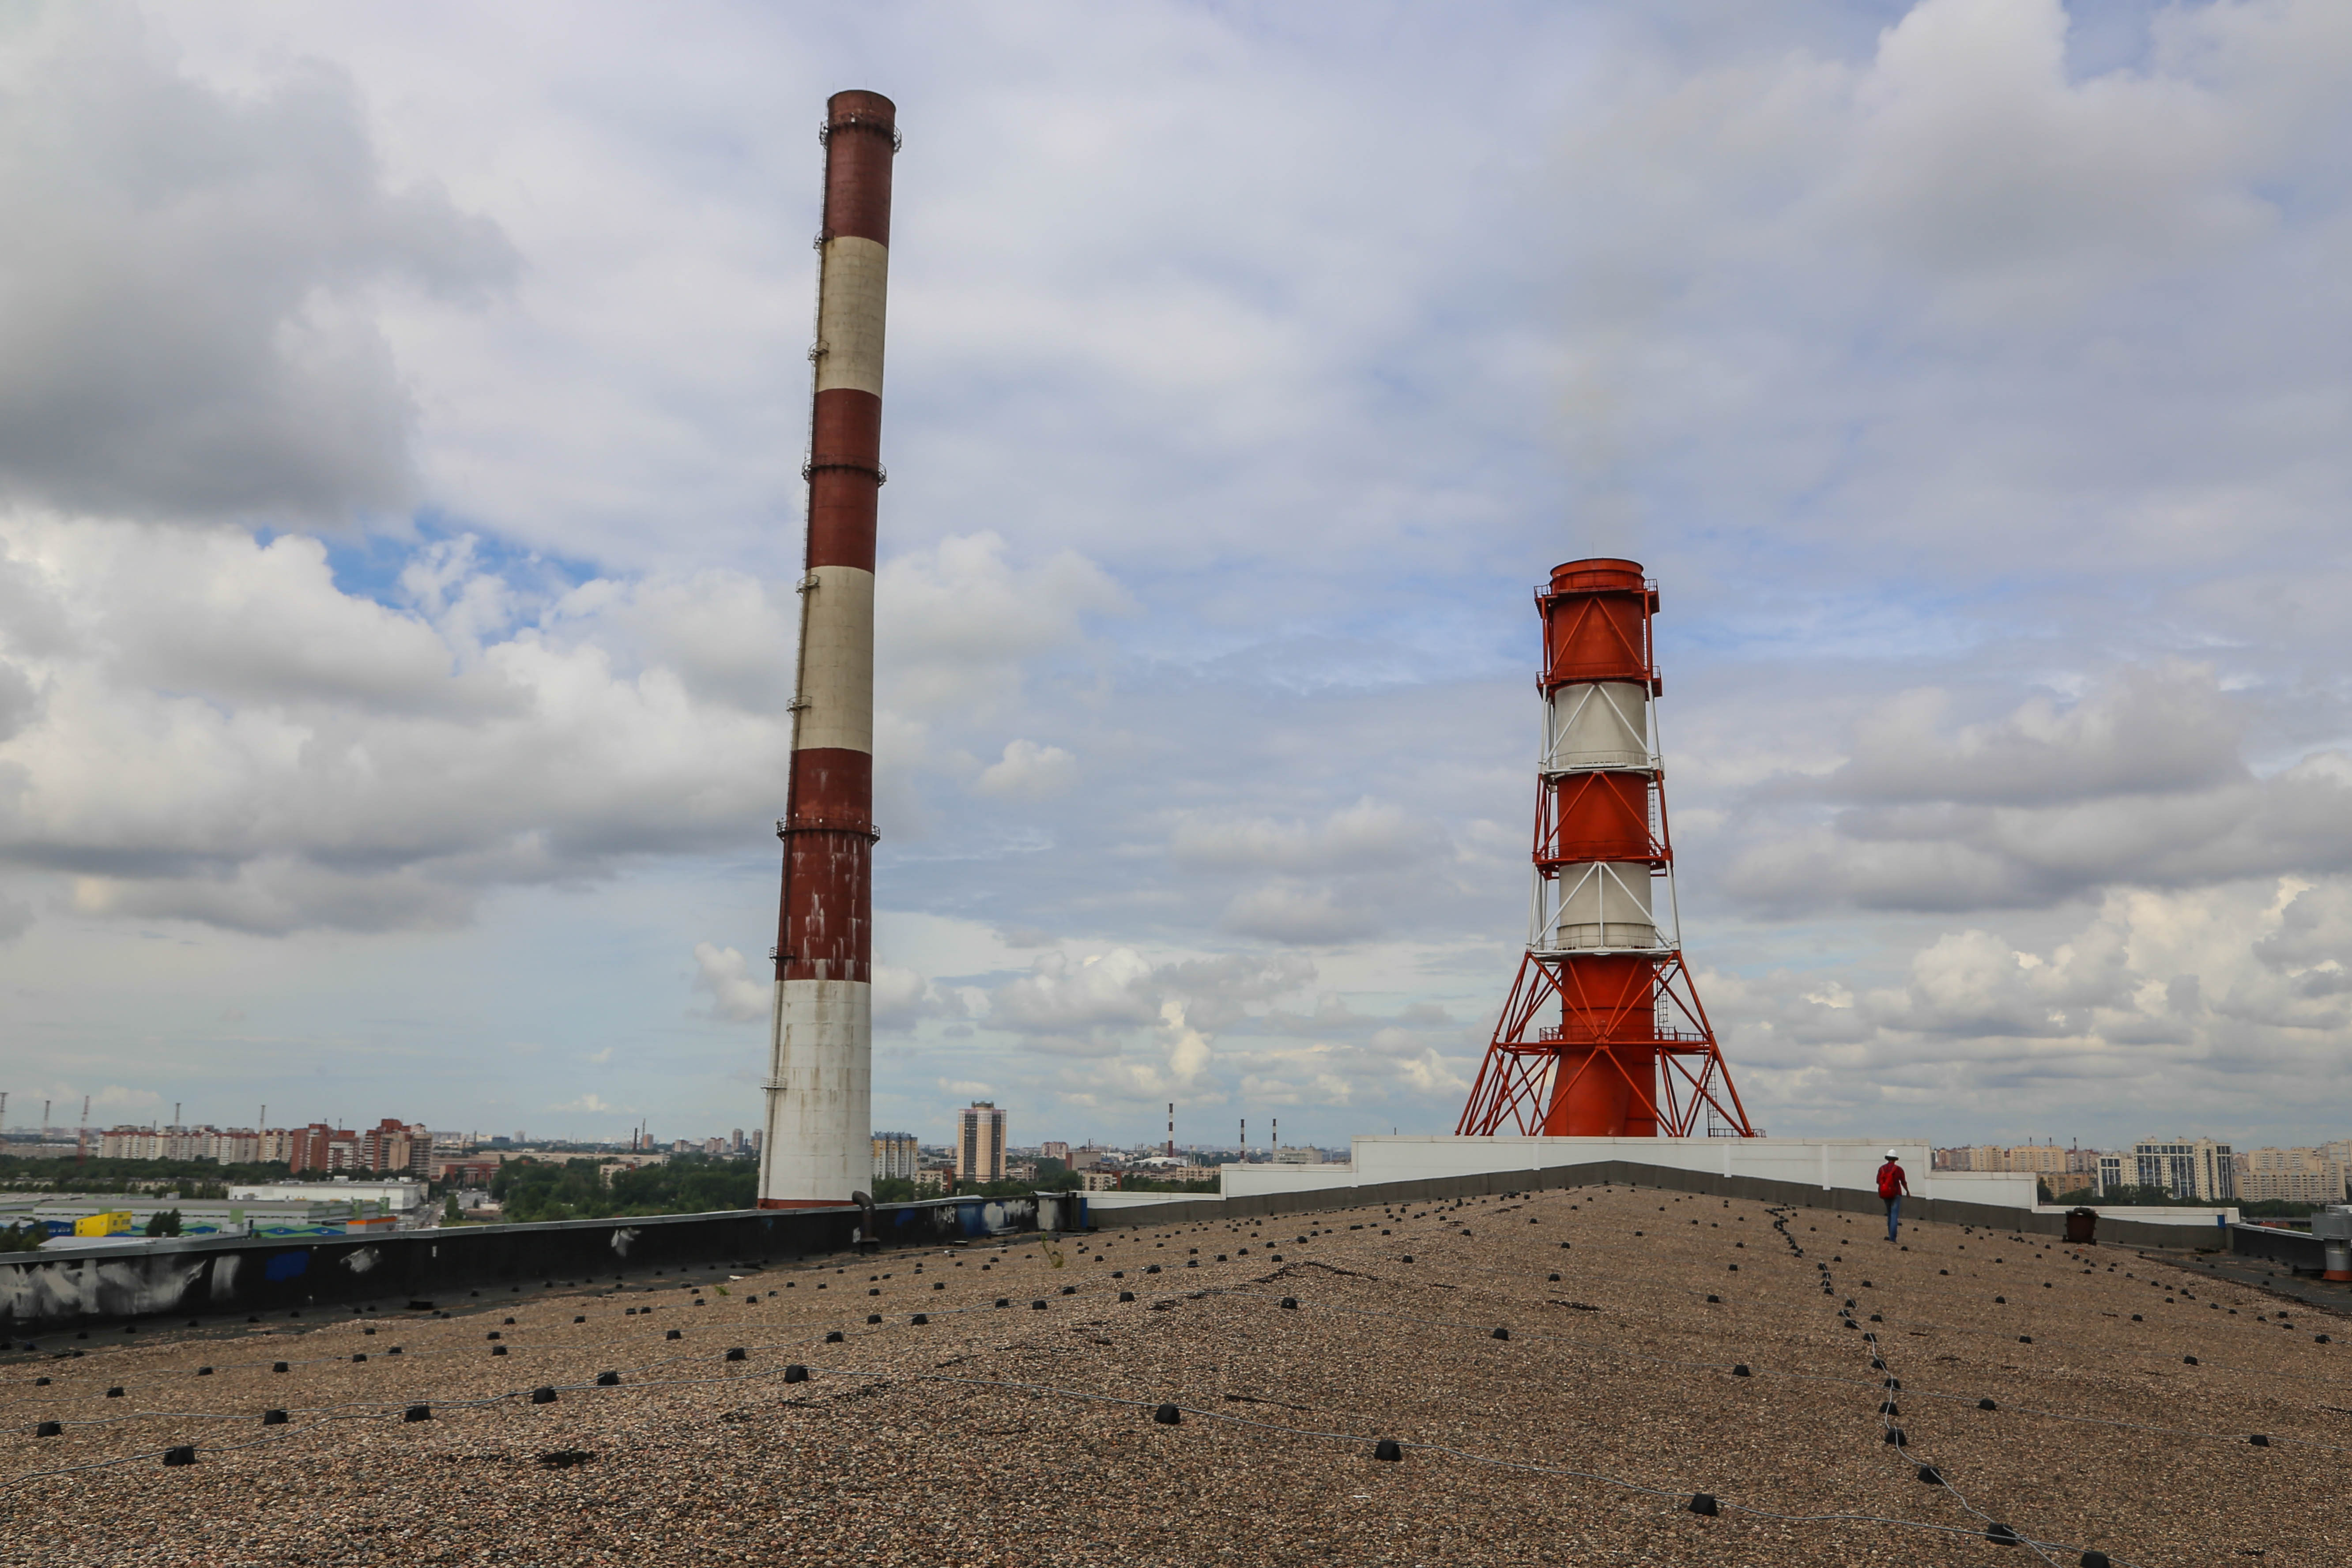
x: 400, y: 572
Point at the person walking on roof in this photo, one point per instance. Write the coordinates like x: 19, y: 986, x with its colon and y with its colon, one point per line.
x: 1891, y: 1187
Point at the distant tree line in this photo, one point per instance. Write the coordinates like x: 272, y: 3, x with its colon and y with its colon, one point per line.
x: 528, y: 1189
x: 94, y: 1175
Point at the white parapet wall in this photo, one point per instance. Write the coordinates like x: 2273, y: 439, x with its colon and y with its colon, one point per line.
x: 1848, y: 1164
x: 1826, y: 1162
x: 2200, y: 1219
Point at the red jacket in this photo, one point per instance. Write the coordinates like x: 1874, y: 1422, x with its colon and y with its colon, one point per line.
x: 1890, y: 1180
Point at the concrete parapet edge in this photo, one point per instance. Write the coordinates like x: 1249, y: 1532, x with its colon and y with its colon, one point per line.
x: 2298, y: 1249
x: 1628, y: 1172
x: 219, y: 1275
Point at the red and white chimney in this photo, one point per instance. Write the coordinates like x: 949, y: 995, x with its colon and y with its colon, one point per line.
x: 1603, y: 1035
x: 821, y: 1054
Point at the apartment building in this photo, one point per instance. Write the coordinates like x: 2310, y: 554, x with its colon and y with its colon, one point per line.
x: 895, y: 1157
x: 2292, y: 1176
x: 2117, y: 1172
x: 980, y: 1143
x: 2044, y: 1160
x: 395, y: 1145
x: 2196, y: 1168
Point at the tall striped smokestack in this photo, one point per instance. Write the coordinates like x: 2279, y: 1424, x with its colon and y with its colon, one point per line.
x: 821, y: 1054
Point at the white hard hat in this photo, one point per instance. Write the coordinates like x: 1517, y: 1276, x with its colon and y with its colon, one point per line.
x: 1890, y: 1153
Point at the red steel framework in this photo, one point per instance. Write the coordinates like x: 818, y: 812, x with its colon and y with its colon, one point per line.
x: 1603, y: 1035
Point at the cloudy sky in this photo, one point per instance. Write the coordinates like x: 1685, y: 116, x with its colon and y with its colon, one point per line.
x: 400, y: 413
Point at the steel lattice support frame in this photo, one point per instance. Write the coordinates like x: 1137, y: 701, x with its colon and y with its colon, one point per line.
x: 1672, y: 1077
x: 1632, y: 1052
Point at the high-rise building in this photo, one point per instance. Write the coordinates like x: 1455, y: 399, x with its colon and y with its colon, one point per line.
x: 2066, y: 1184
x: 895, y: 1157
x: 980, y: 1143
x: 233, y: 1146
x: 2292, y: 1176
x: 395, y: 1145
x: 2196, y: 1168
x: 1051, y: 1150
x: 2116, y: 1171
x: 321, y: 1147
x: 129, y: 1143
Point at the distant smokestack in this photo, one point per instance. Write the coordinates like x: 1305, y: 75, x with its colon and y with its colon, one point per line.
x: 1632, y: 1054
x: 821, y: 1055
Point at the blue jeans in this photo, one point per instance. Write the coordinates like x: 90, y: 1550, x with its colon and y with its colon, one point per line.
x: 1893, y: 1214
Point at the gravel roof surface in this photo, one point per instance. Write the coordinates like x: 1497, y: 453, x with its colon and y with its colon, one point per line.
x: 1021, y: 1434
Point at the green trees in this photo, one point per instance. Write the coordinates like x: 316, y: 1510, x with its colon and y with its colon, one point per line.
x: 165, y: 1222
x: 577, y: 1189
x: 28, y: 1236
x: 97, y: 1176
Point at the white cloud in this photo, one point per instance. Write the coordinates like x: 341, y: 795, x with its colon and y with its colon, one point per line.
x: 327, y: 761
x: 2139, y: 781
x: 2219, y: 1004
x: 2147, y: 731
x: 1292, y: 912
x: 1370, y: 834
x: 1028, y: 770
x: 903, y: 998
x: 735, y: 995
x: 191, y: 275
x: 954, y: 622
x: 1217, y: 992
x: 1957, y: 304
x: 1979, y: 160
x: 1061, y: 996
x: 1340, y: 878
x: 1431, y: 1074
x: 587, y: 1104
